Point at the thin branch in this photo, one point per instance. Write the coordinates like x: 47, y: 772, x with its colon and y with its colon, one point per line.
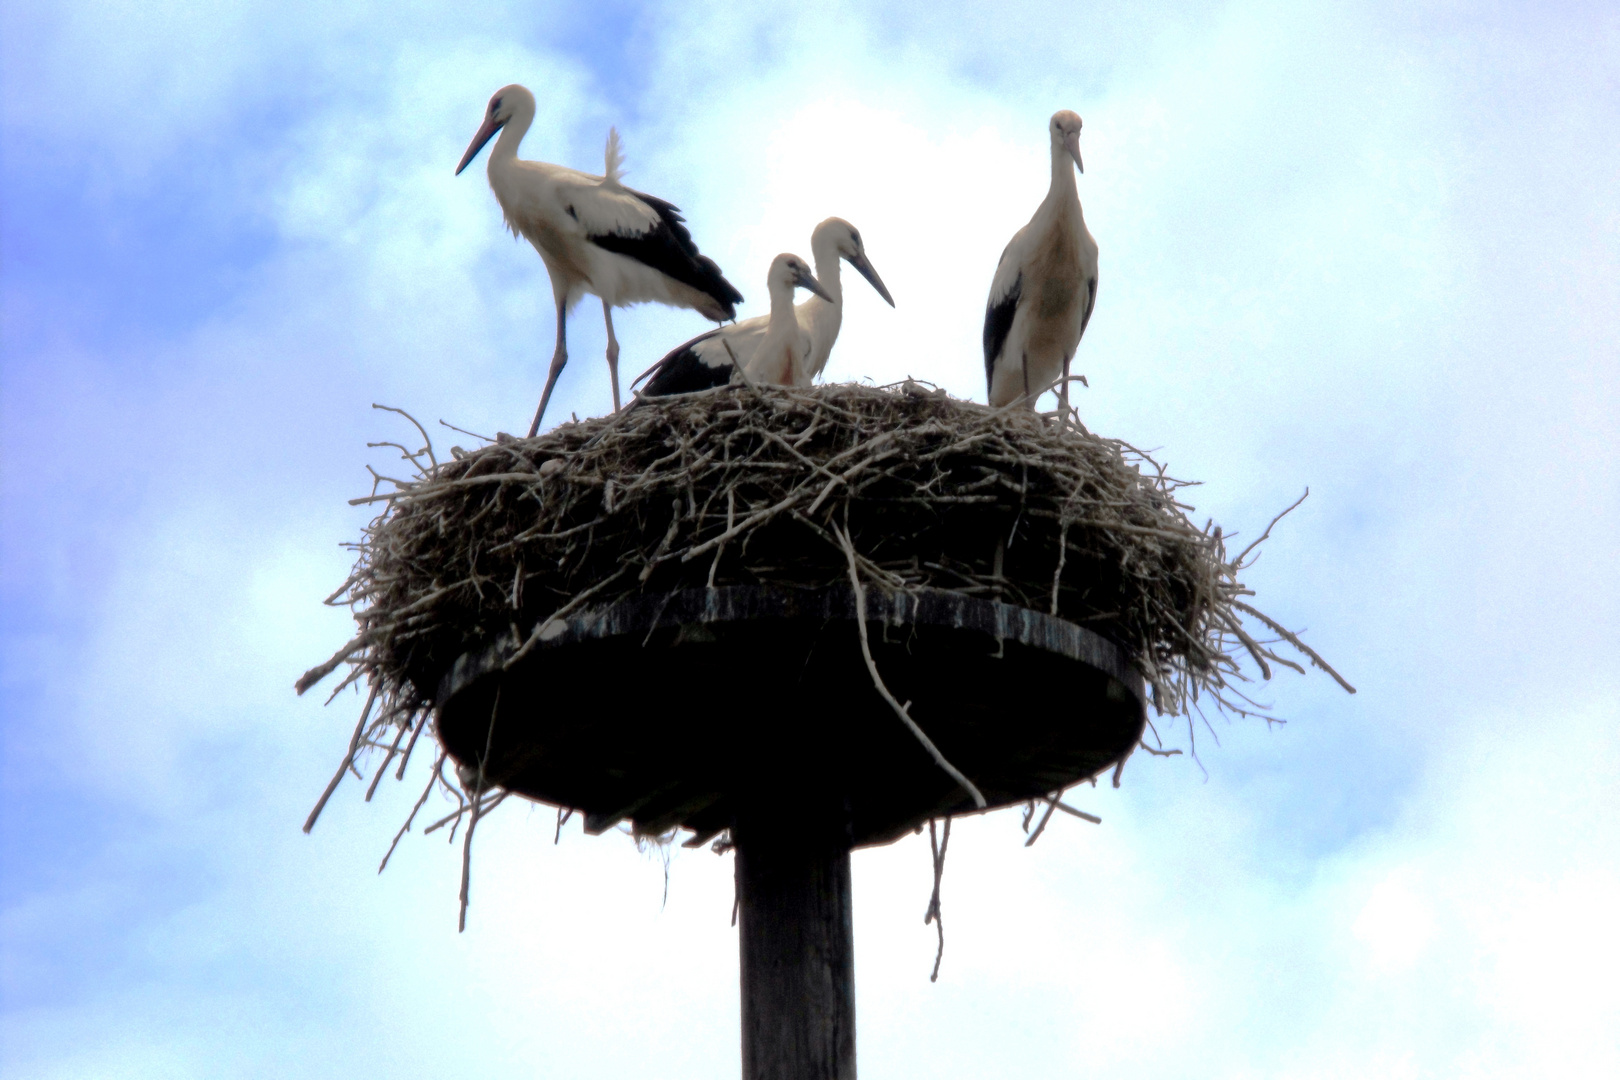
x: 1081, y: 814
x: 348, y: 759
x: 538, y: 634
x: 937, y: 846
x: 421, y: 722
x: 1051, y: 805
x: 1293, y: 639
x: 321, y: 671
x: 403, y: 829
x: 902, y: 711
x: 428, y: 442
x: 464, y: 431
x: 382, y: 770
x: 737, y: 365
x: 1238, y: 562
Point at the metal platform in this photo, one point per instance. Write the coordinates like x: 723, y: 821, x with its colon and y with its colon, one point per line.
x: 678, y: 709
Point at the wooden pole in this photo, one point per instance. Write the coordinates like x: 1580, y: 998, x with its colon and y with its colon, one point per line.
x: 796, y: 944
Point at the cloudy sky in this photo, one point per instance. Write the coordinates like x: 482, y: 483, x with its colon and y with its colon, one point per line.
x: 1372, y: 252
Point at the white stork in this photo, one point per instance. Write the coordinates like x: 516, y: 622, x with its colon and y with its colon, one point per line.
x: 780, y: 355
x: 707, y: 359
x: 1045, y: 287
x: 594, y: 234
x: 785, y: 349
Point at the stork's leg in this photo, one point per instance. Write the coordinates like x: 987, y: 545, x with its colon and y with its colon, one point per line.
x: 612, y: 353
x: 559, y: 358
x: 1063, y: 394
x: 1028, y: 400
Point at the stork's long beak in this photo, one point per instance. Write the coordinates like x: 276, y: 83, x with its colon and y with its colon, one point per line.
x: 485, y: 133
x: 860, y: 262
x: 805, y: 280
x: 1071, y: 143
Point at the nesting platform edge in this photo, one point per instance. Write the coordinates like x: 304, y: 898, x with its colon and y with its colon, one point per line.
x: 675, y: 709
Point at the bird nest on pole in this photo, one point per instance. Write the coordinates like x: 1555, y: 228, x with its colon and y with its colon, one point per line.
x: 897, y: 491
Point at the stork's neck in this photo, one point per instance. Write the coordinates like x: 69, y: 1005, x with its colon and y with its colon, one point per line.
x: 773, y: 362
x: 1062, y: 174
x: 506, y: 147
x: 824, y: 249
x: 781, y: 303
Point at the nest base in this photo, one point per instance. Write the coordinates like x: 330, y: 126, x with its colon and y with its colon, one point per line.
x: 672, y: 711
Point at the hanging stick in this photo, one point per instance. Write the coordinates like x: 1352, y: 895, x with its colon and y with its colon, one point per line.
x: 937, y: 845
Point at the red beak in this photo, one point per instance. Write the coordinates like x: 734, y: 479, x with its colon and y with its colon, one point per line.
x: 1071, y: 143
x: 485, y: 133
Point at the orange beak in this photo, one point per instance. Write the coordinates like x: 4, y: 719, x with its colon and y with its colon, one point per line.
x: 485, y: 133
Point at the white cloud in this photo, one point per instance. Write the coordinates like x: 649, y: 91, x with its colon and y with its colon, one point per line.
x: 1395, y: 925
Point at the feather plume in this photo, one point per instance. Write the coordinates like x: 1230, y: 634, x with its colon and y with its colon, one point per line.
x: 614, y: 157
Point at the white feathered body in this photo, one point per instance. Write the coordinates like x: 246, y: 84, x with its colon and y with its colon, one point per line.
x: 1048, y: 272
x: 558, y: 210
x: 781, y: 353
x: 809, y: 329
x: 569, y: 215
x: 819, y: 321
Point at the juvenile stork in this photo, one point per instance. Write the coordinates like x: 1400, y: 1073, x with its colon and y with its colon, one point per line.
x: 594, y: 234
x: 1045, y: 287
x: 706, y: 360
x: 779, y: 356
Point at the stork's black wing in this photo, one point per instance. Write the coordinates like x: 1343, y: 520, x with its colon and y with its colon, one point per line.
x: 689, y: 367
x: 668, y: 248
x: 1091, y: 304
x: 998, y: 320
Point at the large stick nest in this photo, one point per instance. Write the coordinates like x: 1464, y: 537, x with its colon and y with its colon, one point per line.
x: 894, y: 487
x: 764, y: 486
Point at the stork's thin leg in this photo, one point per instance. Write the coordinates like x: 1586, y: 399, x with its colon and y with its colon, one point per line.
x: 1063, y: 394
x: 1028, y: 400
x: 612, y: 353
x: 559, y: 358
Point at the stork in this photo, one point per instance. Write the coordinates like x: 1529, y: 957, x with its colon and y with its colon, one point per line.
x: 780, y: 354
x: 594, y: 234
x: 707, y: 360
x: 1045, y: 287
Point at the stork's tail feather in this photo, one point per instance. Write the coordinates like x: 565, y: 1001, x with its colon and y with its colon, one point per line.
x: 614, y: 157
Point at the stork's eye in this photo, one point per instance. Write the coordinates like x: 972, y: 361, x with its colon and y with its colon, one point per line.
x: 494, y: 105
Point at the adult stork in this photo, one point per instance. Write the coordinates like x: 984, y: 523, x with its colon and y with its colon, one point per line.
x: 779, y: 356
x: 1045, y: 287
x: 707, y: 359
x: 594, y: 234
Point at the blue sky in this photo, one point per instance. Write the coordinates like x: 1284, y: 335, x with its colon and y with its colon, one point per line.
x: 1374, y: 251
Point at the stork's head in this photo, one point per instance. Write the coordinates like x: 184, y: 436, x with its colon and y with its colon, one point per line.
x: 791, y: 272
x: 845, y: 239
x: 506, y: 103
x: 1065, y: 129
